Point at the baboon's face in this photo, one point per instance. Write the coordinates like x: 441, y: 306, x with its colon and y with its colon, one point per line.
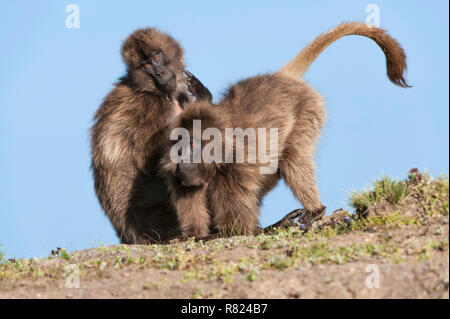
x: 156, y: 65
x: 154, y: 61
x: 189, y: 169
x: 192, y: 169
x: 192, y: 174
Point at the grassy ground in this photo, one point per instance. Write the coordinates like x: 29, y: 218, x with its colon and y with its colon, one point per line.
x: 395, y: 245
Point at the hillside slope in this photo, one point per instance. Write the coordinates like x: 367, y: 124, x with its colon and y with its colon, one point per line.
x: 394, y: 246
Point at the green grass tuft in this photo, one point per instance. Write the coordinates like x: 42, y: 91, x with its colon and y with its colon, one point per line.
x: 64, y: 254
x: 385, y: 188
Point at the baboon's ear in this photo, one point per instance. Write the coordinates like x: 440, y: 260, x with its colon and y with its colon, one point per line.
x: 132, y: 53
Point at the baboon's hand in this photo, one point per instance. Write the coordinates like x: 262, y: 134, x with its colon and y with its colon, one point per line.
x: 197, y: 89
x: 301, y: 217
x: 286, y: 221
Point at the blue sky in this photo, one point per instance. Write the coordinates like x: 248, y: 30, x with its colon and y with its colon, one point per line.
x: 52, y: 80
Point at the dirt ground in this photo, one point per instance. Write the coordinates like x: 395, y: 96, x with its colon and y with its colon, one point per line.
x: 393, y: 251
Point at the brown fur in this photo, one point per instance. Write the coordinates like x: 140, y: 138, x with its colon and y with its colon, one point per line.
x: 395, y: 56
x: 126, y: 140
x: 227, y: 197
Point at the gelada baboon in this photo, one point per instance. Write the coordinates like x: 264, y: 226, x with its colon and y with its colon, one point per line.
x: 127, y: 136
x: 216, y: 196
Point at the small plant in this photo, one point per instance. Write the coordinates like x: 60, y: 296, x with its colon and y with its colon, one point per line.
x: 385, y: 188
x: 197, y: 293
x: 251, y: 276
x: 279, y: 262
x: 119, y: 262
x: 64, y: 254
x: 265, y: 245
x: 2, y: 255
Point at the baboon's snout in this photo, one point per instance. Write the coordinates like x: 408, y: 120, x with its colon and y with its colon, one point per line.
x: 188, y: 174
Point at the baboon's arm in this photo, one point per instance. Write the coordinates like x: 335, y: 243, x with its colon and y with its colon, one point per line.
x: 192, y: 212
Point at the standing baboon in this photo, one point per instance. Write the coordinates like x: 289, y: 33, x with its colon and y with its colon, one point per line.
x: 127, y: 136
x: 225, y: 197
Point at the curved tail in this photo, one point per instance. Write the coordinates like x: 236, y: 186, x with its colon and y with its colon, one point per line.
x: 395, y: 56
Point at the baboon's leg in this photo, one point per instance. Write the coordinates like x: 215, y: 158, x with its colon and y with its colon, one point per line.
x: 192, y: 212
x: 297, y: 164
x: 298, y: 170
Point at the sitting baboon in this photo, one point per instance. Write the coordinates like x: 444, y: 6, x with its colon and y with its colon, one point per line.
x: 211, y: 194
x: 127, y: 136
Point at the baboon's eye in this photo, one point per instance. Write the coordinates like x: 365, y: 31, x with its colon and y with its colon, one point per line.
x: 155, y: 58
x: 146, y: 65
